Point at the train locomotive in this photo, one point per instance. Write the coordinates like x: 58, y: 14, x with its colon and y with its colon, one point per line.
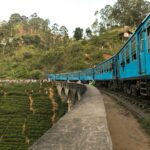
x: 128, y: 70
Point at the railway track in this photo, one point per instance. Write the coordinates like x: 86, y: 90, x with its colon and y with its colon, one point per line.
x: 139, y: 106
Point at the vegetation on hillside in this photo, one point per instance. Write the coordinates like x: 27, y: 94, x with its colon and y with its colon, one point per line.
x: 31, y: 48
x: 122, y: 13
x: 26, y: 113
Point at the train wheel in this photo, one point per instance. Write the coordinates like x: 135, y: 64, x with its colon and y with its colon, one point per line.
x: 129, y: 91
x: 110, y: 85
x: 133, y: 90
x: 125, y: 88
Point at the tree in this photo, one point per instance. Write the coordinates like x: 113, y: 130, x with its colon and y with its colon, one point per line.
x: 78, y: 33
x: 106, y: 15
x: 55, y: 28
x: 130, y: 12
x: 95, y: 27
x: 14, y: 20
x: 88, y: 32
x: 64, y: 33
x: 122, y: 13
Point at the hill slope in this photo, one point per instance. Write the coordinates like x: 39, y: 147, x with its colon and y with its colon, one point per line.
x: 26, y: 113
x: 30, y: 61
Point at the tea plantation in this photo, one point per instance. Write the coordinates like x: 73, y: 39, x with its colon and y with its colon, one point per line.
x: 26, y: 112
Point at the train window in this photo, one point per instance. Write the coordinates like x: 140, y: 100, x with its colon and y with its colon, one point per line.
x: 105, y: 67
x: 122, y: 54
x: 148, y: 38
x: 100, y: 71
x: 127, y: 55
x: 141, y: 41
x: 110, y: 66
x: 133, y: 46
x: 107, y: 64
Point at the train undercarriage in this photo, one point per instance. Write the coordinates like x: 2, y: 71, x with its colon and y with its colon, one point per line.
x: 129, y: 87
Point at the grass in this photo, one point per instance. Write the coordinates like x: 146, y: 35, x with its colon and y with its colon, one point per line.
x: 145, y: 124
x: 19, y: 126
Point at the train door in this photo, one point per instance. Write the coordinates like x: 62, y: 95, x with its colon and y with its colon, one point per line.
x: 118, y: 66
x: 141, y: 52
x: 114, y: 67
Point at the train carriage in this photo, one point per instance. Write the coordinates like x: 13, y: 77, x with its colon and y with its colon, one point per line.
x: 129, y: 69
x: 106, y: 70
x: 74, y: 76
x: 87, y: 74
x: 51, y: 77
x: 134, y: 60
x: 62, y: 77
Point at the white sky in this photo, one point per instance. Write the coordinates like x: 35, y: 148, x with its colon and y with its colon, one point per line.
x: 71, y: 13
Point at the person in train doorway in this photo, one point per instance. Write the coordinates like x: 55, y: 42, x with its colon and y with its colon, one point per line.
x: 92, y: 83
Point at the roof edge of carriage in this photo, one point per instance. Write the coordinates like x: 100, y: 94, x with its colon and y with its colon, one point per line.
x: 144, y: 20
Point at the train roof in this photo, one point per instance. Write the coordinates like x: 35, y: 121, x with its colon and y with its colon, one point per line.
x: 105, y: 61
x: 144, y: 20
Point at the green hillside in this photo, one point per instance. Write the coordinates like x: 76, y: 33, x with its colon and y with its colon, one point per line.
x: 26, y: 113
x: 30, y: 61
x: 30, y: 47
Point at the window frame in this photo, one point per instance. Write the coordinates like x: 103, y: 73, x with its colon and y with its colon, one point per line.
x: 133, y: 49
x: 127, y: 54
x: 122, y: 56
x: 148, y: 36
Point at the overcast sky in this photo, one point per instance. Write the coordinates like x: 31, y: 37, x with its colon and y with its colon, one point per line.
x: 71, y: 13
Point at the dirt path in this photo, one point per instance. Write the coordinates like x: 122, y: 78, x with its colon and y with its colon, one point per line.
x: 54, y: 105
x: 125, y: 131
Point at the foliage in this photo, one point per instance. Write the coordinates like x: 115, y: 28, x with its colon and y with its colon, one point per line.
x: 27, y: 55
x: 37, y: 74
x: 19, y: 126
x: 78, y: 33
x: 89, y: 32
x: 32, y: 30
x: 125, y: 12
x: 31, y: 48
x: 145, y: 124
x: 122, y: 13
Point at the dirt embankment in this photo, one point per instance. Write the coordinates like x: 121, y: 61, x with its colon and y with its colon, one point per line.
x: 126, y: 132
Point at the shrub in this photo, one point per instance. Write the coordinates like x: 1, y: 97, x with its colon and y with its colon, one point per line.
x: 27, y: 55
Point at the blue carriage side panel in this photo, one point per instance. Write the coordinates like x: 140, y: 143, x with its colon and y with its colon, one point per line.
x: 62, y: 77
x: 87, y: 75
x: 106, y: 70
x: 74, y: 76
x: 128, y: 63
x: 147, y: 45
x: 97, y: 72
x: 131, y: 62
x: 51, y: 76
x: 134, y: 56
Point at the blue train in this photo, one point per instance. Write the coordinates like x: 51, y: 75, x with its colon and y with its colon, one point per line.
x: 128, y: 70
